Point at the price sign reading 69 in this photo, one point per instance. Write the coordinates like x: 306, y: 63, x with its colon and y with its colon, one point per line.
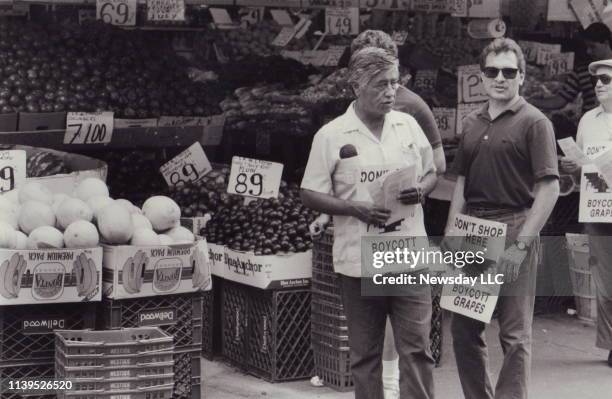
x: 254, y: 178
x: 117, y: 12
x: 12, y: 169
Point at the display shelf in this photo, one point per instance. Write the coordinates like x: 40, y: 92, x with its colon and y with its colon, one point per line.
x: 135, y: 137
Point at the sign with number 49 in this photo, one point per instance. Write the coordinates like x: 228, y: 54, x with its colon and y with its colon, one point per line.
x: 255, y: 178
x: 12, y: 169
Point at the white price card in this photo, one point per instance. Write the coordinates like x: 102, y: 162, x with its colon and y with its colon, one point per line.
x: 399, y: 37
x: 284, y: 36
x: 282, y: 17
x: 559, y: 64
x: 446, y: 119
x: 330, y: 3
x: 334, y: 54
x: 560, y: 10
x: 342, y: 21
x: 587, y: 11
x: 255, y: 178
x: 476, y: 8
x: 545, y: 51
x: 530, y: 50
x: 166, y: 10
x: 438, y: 6
x: 425, y: 81
x: 123, y: 123
x: 469, y: 85
x: 190, y: 165
x: 12, y: 169
x: 89, y: 127
x: 117, y: 12
x: 464, y: 110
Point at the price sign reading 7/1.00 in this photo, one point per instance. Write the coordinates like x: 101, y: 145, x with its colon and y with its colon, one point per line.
x: 117, y: 12
x: 255, y: 178
x: 88, y: 128
x: 12, y: 169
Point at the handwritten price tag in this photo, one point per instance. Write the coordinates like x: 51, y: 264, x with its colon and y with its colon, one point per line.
x: 255, y: 178
x: 558, y: 64
x: 587, y: 11
x: 117, y: 12
x: 446, y: 119
x: 166, y: 10
x: 476, y: 8
x: 545, y: 51
x: 425, y: 81
x: 12, y: 169
x: 190, y: 165
x: 334, y: 54
x: 89, y: 127
x: 342, y: 21
x: 470, y: 88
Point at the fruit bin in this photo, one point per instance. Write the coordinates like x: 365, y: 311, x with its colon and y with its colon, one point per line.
x: 187, y: 375
x: 267, y: 333
x: 177, y: 315
x: 26, y: 331
x: 157, y: 392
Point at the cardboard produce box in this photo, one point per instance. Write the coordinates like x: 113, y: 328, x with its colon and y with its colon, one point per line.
x: 272, y: 272
x: 142, y: 271
x: 50, y: 276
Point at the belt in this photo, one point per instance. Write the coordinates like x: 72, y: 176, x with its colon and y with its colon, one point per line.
x: 490, y: 210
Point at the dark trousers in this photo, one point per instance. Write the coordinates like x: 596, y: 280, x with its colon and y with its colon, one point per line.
x: 515, y: 309
x: 411, y: 322
x: 601, y: 249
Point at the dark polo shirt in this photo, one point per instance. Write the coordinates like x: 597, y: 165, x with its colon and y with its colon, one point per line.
x: 502, y: 159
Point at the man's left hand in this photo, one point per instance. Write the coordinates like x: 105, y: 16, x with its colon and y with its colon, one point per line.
x: 510, y: 263
x: 411, y: 196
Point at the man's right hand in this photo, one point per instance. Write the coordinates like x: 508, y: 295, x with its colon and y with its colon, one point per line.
x: 369, y: 213
x: 569, y: 166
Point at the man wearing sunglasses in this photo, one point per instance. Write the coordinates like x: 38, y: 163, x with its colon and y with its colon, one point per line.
x: 595, y: 130
x: 507, y: 172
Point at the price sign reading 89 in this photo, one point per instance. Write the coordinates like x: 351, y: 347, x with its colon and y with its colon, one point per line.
x: 254, y: 178
x: 12, y: 169
x: 117, y: 12
x: 190, y: 165
x: 342, y: 21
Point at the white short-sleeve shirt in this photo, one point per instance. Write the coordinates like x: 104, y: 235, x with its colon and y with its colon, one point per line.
x: 595, y: 127
x: 402, y: 143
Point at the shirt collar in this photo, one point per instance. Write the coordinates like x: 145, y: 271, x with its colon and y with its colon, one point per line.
x: 354, y: 123
x: 599, y: 110
x: 516, y: 107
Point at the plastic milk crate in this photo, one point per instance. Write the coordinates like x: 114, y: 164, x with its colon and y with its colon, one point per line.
x: 211, y: 320
x: 26, y: 331
x: 267, y: 333
x: 27, y: 370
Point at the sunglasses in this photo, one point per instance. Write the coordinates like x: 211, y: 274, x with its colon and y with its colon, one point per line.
x: 605, y: 79
x: 492, y: 72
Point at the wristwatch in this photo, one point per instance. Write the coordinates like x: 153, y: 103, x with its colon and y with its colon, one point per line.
x: 521, y: 245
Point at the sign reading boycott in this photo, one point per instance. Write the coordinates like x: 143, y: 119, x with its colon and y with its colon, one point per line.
x: 595, y: 193
x: 476, y: 300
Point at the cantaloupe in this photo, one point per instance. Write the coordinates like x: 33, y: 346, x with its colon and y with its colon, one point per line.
x: 91, y: 187
x: 35, y: 214
x: 71, y: 210
x: 81, y: 234
x: 145, y: 237
x: 34, y: 191
x: 162, y: 212
x: 45, y: 237
x: 115, y: 224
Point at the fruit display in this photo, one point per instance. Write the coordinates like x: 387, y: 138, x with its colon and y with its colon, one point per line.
x: 333, y: 87
x: 45, y: 163
x: 94, y: 67
x: 263, y: 226
x: 36, y: 219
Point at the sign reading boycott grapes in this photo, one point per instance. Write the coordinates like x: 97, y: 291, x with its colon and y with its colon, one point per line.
x: 117, y: 12
x: 166, y: 10
x: 12, y: 169
x: 89, y: 128
x: 254, y: 178
x: 190, y: 165
x: 342, y: 21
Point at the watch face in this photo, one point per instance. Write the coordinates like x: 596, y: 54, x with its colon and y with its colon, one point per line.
x: 521, y: 245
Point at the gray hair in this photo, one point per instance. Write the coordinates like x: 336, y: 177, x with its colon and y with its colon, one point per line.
x: 374, y: 38
x: 368, y: 62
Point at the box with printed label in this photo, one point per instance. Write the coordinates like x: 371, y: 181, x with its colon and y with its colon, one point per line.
x: 50, y: 276
x: 141, y: 271
x: 271, y: 272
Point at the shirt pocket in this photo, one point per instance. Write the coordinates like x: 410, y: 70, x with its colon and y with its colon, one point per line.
x: 512, y: 146
x: 411, y: 155
x: 346, y: 175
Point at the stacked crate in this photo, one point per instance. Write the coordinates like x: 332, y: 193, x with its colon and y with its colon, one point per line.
x: 127, y: 363
x: 329, y: 326
x: 27, y: 343
x: 181, y: 318
x: 267, y: 332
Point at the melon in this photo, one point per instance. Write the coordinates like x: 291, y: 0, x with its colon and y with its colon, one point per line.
x: 165, y: 239
x: 35, y: 214
x: 98, y: 202
x: 71, y: 210
x: 57, y: 201
x: 145, y: 237
x: 180, y: 234
x: 141, y: 222
x: 34, y: 191
x: 45, y: 237
x: 81, y: 234
x: 127, y: 205
x: 162, y: 212
x: 115, y: 224
x: 91, y: 187
x: 21, y: 240
x: 9, y: 212
x: 12, y: 196
x: 8, y: 236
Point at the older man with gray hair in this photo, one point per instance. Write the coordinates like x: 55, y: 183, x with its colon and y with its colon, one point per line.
x: 348, y: 154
